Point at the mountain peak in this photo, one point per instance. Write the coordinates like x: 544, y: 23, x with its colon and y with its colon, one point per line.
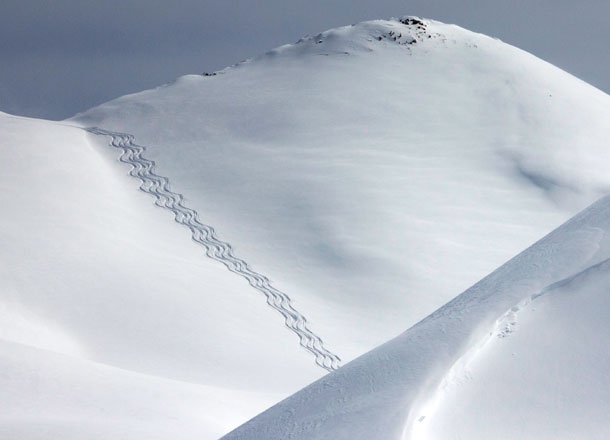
x: 406, y: 32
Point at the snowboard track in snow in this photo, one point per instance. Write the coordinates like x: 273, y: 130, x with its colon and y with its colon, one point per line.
x: 216, y: 249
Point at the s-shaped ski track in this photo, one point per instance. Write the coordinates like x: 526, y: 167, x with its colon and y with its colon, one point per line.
x: 216, y: 249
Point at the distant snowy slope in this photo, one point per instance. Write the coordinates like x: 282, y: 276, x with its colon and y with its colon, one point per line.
x: 111, y: 318
x: 355, y: 166
x: 521, y: 354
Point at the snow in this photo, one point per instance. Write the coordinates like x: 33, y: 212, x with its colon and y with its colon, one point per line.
x: 349, y: 170
x: 371, y: 173
x: 46, y: 395
x: 545, y: 377
x: 521, y: 354
x: 93, y: 271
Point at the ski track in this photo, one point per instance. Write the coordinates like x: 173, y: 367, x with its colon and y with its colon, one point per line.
x: 216, y: 249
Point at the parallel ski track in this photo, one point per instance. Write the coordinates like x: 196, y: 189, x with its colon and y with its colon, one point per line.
x: 216, y: 249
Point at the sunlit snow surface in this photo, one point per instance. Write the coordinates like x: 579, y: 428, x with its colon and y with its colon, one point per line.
x: 373, y: 173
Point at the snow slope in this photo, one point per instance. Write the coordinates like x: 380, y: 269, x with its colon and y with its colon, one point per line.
x: 521, y: 354
x: 112, y: 321
x: 350, y: 167
x: 365, y: 175
x: 543, y: 374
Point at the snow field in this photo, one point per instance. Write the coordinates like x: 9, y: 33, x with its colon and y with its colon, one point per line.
x: 372, y: 173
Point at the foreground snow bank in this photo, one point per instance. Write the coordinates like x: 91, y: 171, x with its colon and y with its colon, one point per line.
x: 543, y: 373
x: 471, y: 367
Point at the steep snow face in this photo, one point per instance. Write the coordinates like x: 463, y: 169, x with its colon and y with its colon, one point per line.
x: 375, y: 171
x: 521, y: 354
x: 113, y: 323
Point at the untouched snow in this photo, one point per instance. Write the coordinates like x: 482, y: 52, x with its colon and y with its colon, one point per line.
x: 350, y: 170
x: 521, y: 354
x: 46, y: 395
x: 544, y: 373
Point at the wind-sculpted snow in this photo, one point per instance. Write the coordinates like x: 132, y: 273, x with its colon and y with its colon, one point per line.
x: 216, y: 249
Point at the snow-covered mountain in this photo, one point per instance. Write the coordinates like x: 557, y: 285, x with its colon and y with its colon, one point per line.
x: 352, y: 165
x: 354, y: 182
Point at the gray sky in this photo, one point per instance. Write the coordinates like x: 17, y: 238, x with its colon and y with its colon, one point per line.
x: 59, y: 57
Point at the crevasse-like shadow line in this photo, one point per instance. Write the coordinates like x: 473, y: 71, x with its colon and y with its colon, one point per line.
x: 216, y: 249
